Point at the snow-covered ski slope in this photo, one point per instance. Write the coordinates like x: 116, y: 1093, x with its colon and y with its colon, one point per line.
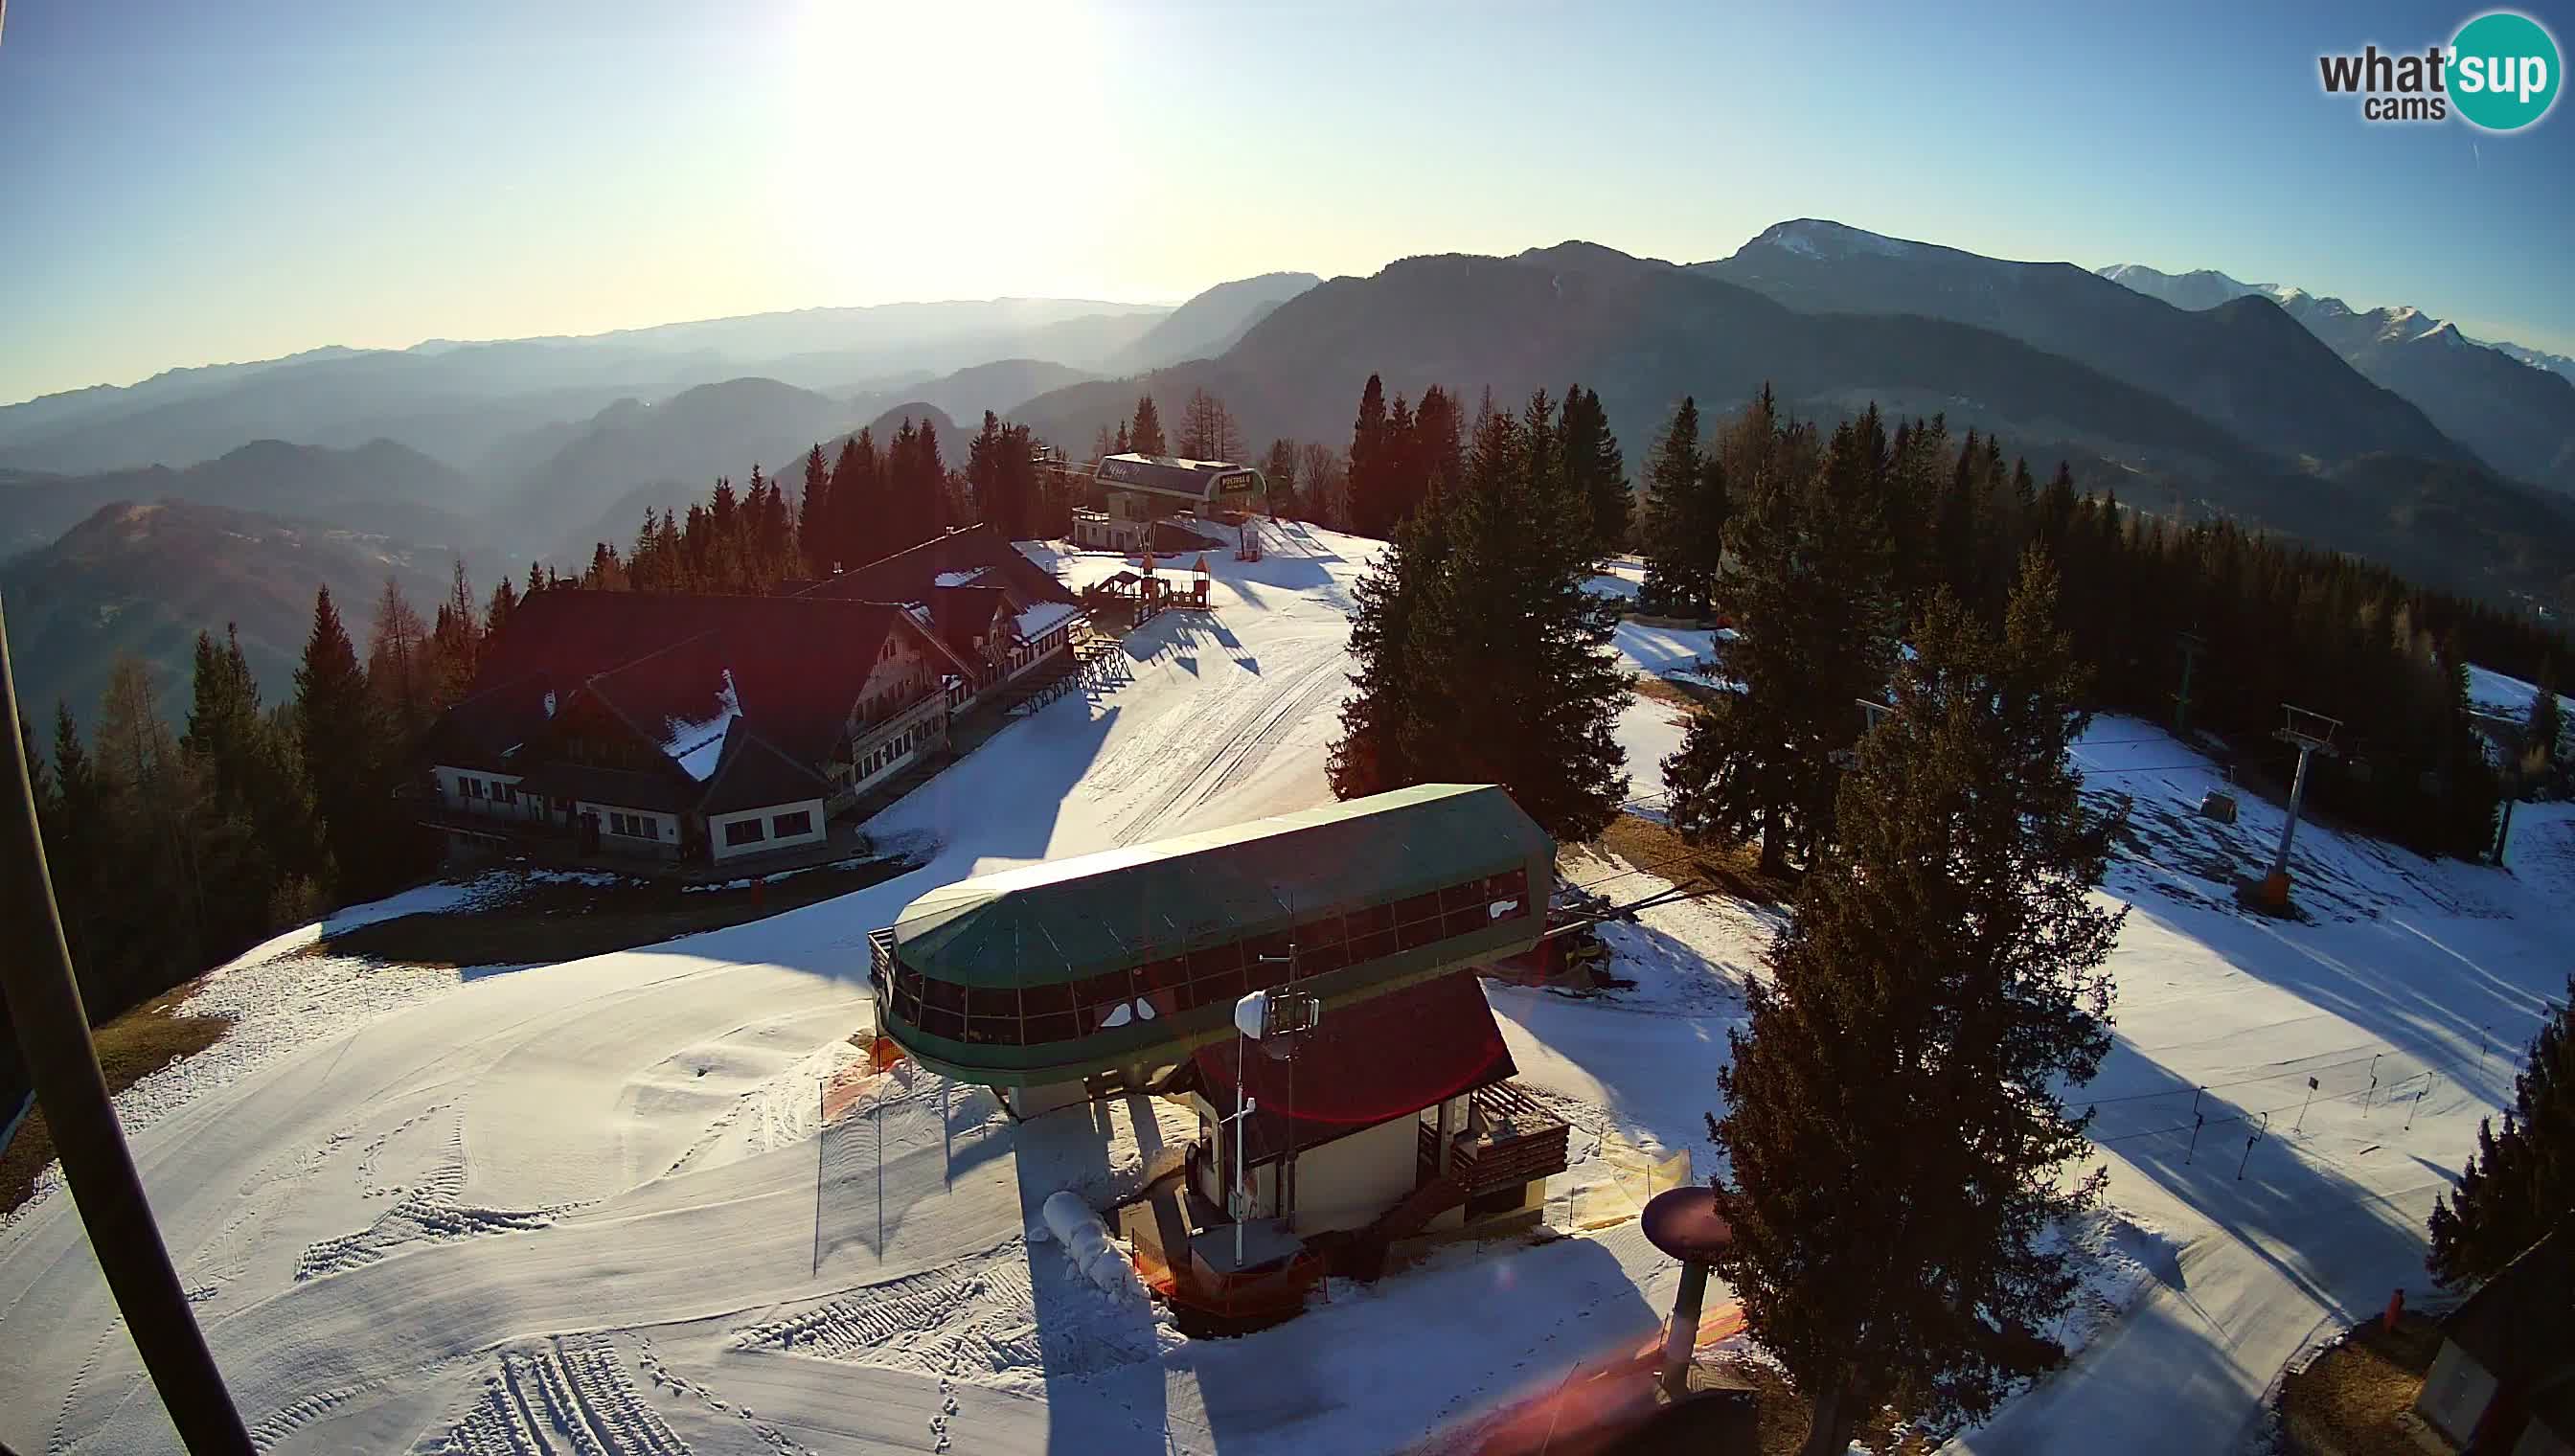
x: 596, y: 1207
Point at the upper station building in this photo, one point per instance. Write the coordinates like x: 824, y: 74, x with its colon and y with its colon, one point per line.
x: 1142, y: 489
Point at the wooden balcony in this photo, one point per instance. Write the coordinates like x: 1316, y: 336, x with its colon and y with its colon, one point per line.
x: 1509, y: 1140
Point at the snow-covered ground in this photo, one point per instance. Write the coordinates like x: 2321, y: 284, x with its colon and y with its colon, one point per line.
x: 2492, y: 691
x: 560, y: 1208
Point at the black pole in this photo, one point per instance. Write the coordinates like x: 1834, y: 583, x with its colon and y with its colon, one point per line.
x: 53, y: 1034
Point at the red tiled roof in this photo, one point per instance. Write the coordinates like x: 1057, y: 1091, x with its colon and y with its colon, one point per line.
x: 1389, y: 1057
x: 909, y: 576
x: 797, y: 663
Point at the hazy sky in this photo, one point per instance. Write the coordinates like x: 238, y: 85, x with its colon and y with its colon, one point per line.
x: 183, y: 183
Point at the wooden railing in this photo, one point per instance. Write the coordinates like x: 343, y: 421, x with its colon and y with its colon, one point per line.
x: 1509, y: 1139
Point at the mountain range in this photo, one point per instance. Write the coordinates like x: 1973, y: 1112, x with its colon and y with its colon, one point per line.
x: 145, y: 579
x: 2188, y: 393
x: 457, y: 401
x: 2513, y: 406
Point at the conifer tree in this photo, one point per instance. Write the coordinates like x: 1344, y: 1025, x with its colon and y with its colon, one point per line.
x: 2520, y: 1183
x: 1893, y: 1127
x: 1002, y: 470
x: 1814, y: 594
x: 74, y: 848
x: 1278, y: 475
x: 1594, y: 469
x: 815, y: 528
x: 1144, y: 436
x: 340, y: 729
x: 1380, y: 720
x: 1481, y: 654
x: 2546, y: 723
x: 505, y: 599
x: 1374, y: 457
x: 1678, y: 577
x: 1436, y: 453
x: 858, y: 504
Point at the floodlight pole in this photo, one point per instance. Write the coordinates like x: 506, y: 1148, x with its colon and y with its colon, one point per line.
x: 53, y: 1033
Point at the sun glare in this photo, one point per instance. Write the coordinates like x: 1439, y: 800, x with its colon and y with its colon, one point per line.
x: 899, y: 115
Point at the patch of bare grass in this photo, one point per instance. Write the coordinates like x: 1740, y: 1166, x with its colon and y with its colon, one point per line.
x: 547, y: 922
x: 130, y: 1049
x: 2357, y: 1397
x: 1657, y: 847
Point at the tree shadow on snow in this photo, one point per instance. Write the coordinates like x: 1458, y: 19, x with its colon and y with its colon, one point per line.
x: 2259, y: 1181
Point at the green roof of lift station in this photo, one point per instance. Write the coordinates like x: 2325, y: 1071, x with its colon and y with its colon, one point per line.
x: 1066, y: 920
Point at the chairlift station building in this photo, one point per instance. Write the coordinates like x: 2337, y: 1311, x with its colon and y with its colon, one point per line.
x: 1118, y: 973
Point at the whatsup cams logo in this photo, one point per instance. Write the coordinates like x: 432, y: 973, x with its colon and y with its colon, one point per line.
x: 2499, y: 73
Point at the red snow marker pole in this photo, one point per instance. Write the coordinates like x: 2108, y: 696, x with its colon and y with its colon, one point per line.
x: 53, y: 1034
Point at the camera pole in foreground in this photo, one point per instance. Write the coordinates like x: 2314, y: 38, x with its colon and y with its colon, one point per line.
x: 53, y: 1034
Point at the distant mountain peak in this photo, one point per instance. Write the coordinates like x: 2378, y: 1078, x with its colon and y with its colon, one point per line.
x: 1822, y: 238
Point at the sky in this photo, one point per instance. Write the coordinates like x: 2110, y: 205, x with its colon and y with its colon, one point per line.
x: 183, y: 183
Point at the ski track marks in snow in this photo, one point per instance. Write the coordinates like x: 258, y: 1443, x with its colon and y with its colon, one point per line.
x: 427, y: 1213
x: 1242, y: 738
x: 565, y: 1396
x: 973, y: 1320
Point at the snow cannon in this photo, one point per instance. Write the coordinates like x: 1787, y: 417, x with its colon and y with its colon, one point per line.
x: 1684, y: 1223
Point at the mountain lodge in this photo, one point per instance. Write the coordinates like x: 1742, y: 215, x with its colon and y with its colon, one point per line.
x: 704, y: 729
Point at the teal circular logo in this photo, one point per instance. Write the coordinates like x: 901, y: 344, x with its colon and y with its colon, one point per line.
x: 2503, y: 71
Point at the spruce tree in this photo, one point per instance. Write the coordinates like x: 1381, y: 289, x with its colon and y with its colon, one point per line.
x: 505, y: 599
x: 1380, y: 717
x: 1481, y: 656
x: 1594, y: 469
x: 1677, y: 580
x: 340, y: 729
x: 1893, y: 1130
x: 74, y: 849
x: 2520, y: 1183
x: 1375, y: 503
x: 815, y: 527
x: 1436, y: 453
x: 859, y: 505
x: 2546, y: 723
x: 1144, y: 435
x: 1814, y: 595
x: 1278, y: 475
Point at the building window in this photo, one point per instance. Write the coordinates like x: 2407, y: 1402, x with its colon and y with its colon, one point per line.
x: 743, y: 832
x: 635, y: 826
x: 473, y: 788
x: 506, y: 792
x: 788, y: 826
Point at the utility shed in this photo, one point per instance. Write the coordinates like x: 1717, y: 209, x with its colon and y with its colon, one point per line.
x: 1122, y: 963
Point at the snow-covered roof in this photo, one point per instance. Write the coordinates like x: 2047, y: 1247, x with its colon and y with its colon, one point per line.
x: 696, y: 744
x: 958, y: 579
x: 1044, y: 618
